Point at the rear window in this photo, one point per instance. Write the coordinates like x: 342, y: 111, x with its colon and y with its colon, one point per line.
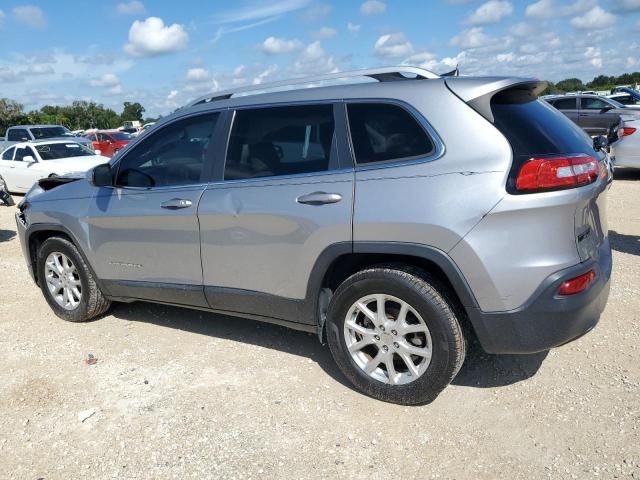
x: 534, y: 128
x: 381, y: 132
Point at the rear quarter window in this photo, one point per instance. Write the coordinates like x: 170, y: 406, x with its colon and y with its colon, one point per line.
x: 382, y: 132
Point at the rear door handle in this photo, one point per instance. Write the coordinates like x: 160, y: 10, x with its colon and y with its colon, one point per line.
x: 176, y: 203
x: 319, y: 198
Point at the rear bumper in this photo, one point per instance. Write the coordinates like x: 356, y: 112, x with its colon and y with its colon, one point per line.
x: 548, y: 320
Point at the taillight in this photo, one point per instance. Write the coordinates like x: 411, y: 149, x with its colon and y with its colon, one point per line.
x: 625, y: 131
x: 555, y: 173
x: 577, y: 284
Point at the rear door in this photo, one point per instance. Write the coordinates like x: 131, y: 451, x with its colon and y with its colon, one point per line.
x: 282, y: 197
x: 596, y: 115
x: 144, y: 231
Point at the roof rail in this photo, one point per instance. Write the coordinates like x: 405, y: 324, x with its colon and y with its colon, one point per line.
x: 382, y: 74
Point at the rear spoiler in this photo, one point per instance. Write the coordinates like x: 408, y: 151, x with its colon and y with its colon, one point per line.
x: 477, y: 92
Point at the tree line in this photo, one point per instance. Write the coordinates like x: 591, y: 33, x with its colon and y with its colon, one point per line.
x: 80, y: 115
x: 601, y: 82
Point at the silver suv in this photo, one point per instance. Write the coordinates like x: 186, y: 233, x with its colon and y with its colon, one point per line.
x: 397, y: 219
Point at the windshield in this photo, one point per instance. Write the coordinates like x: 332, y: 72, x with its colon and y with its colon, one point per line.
x: 54, y: 151
x: 120, y: 136
x: 51, y: 132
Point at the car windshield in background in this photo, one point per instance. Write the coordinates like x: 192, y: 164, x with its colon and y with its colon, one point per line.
x: 616, y: 103
x: 120, y: 136
x: 50, y: 132
x: 53, y: 151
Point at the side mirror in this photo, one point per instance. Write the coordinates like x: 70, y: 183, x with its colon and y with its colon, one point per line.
x: 607, y: 108
x: 600, y: 142
x: 101, y: 176
x: 28, y: 159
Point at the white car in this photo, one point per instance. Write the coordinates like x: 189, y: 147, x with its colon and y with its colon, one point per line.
x: 625, y: 152
x: 23, y: 164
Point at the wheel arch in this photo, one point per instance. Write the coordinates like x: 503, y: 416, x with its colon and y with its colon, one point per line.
x: 337, y: 263
x: 38, y: 233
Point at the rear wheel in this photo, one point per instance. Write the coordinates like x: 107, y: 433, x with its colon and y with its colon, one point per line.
x: 394, y: 335
x: 67, y: 283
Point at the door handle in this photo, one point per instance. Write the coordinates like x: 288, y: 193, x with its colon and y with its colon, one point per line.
x: 176, y: 203
x: 319, y: 198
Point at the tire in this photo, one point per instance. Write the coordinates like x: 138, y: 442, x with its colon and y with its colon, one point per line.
x: 441, y: 346
x: 91, y: 302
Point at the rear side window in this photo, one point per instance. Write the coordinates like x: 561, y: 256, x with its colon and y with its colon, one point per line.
x: 381, y: 132
x: 268, y: 142
x: 18, y: 135
x: 24, y: 152
x: 565, y: 104
x: 534, y: 128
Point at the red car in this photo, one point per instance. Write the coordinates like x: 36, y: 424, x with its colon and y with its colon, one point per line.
x: 109, y: 141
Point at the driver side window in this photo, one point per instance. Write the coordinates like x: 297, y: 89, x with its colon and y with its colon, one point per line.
x: 173, y: 155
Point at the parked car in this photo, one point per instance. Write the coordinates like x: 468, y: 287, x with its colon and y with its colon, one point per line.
x: 24, y: 163
x: 5, y: 198
x: 26, y: 133
x: 109, y: 142
x: 397, y: 220
x: 625, y: 152
x: 594, y: 114
x: 626, y: 96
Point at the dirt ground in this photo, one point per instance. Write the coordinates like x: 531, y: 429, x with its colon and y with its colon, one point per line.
x: 183, y: 394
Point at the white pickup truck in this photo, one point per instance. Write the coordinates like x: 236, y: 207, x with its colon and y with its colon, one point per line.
x: 27, y: 133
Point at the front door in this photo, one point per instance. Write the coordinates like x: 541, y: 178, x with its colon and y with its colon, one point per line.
x: 282, y: 199
x: 596, y: 115
x: 25, y: 172
x: 144, y: 231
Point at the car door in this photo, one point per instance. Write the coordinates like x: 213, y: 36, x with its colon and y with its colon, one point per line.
x: 569, y: 107
x: 7, y: 168
x: 144, y: 231
x: 26, y: 171
x: 282, y: 197
x: 93, y: 138
x: 106, y: 144
x: 595, y: 118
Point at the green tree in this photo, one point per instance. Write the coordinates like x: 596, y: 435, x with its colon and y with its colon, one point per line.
x: 570, y: 85
x: 11, y: 113
x: 132, y: 111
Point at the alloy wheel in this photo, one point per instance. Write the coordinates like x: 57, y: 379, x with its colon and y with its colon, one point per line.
x: 63, y: 280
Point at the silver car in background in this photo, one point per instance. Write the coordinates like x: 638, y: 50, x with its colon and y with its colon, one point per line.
x: 397, y: 219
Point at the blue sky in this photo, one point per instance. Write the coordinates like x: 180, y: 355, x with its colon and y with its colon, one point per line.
x: 165, y: 53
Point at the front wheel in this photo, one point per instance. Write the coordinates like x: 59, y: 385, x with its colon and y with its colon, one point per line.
x: 394, y: 335
x: 67, y: 283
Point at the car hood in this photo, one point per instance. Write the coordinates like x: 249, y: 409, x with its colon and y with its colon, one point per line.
x: 77, y: 164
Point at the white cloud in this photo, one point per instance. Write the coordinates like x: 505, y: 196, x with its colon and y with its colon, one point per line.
x: 153, y: 37
x: 198, y: 74
x: 2, y: 15
x: 551, y: 8
x: 30, y: 15
x: 594, y: 19
x: 393, y: 45
x: 592, y: 54
x: 625, y: 5
x: 353, y: 28
x: 260, y: 78
x: 313, y: 59
x: 522, y: 29
x: 325, y: 33
x: 373, y: 7
x: 276, y: 45
x: 471, y: 38
x: 115, y: 90
x: 172, y: 94
x: 38, y: 69
x: 106, y: 80
x: 134, y: 7
x: 491, y: 12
